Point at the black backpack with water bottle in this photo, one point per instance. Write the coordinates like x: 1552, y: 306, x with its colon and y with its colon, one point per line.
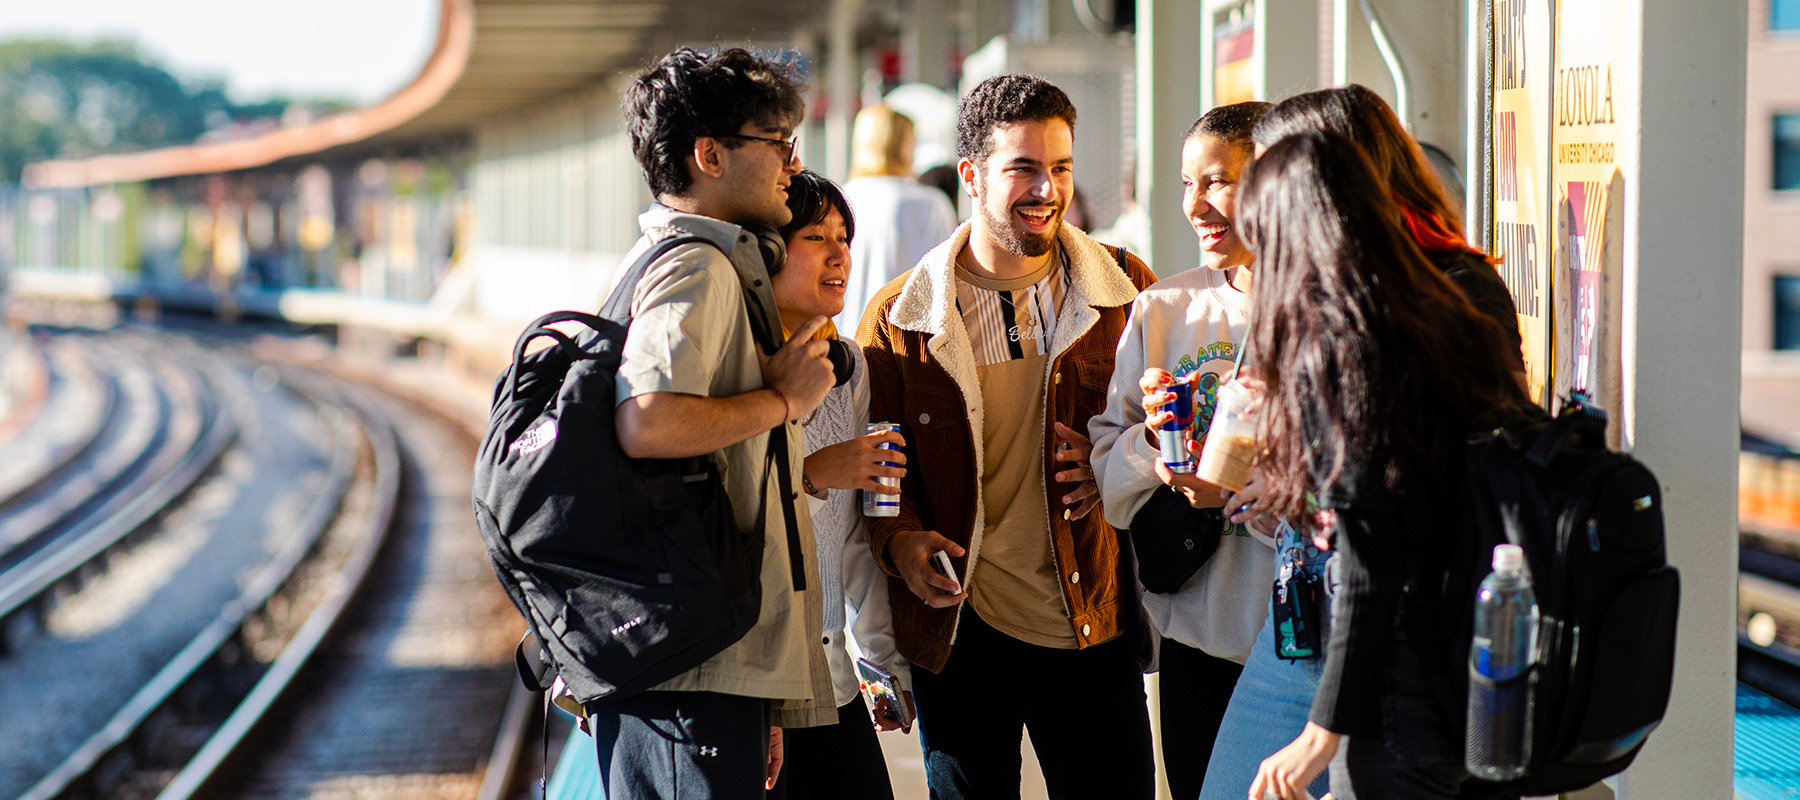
x: 1590, y: 522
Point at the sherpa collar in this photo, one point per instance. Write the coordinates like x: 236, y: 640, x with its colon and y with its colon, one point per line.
x: 927, y: 302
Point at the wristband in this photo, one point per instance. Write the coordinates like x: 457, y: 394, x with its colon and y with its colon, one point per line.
x: 785, y: 410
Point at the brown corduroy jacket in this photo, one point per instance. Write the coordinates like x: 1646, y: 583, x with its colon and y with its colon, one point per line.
x: 922, y: 375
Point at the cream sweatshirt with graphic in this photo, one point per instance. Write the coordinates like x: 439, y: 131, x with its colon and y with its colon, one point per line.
x: 1189, y: 322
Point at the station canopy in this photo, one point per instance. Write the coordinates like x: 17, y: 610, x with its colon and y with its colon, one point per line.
x: 492, y: 58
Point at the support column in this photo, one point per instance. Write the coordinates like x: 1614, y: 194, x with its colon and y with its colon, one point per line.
x: 925, y: 47
x: 1168, y: 100
x: 1288, y: 41
x: 843, y: 80
x: 1681, y: 382
x: 983, y: 20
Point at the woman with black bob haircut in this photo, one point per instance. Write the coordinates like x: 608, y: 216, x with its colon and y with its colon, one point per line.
x: 843, y: 759
x: 1359, y: 114
x: 1374, y: 368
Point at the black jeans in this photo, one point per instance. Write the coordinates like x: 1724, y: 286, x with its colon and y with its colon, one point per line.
x: 1196, y: 688
x: 1417, y: 752
x: 1085, y: 710
x: 835, y: 761
x: 686, y: 745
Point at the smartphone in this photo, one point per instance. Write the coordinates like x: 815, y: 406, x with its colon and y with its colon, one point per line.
x: 940, y: 561
x: 883, y: 691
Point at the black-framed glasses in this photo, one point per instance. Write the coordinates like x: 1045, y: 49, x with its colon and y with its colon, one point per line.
x: 790, y: 144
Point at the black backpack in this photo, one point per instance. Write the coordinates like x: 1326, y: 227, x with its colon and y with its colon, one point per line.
x: 1590, y: 521
x: 630, y: 571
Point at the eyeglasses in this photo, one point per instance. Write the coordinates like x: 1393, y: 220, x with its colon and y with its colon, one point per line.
x: 789, y: 145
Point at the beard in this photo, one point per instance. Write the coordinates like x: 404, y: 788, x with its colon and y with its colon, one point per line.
x: 1016, y: 241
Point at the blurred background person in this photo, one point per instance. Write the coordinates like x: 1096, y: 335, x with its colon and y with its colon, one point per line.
x: 902, y: 219
x: 1077, y: 212
x: 942, y: 178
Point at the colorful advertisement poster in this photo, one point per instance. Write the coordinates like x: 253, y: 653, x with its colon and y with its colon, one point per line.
x: 1521, y: 171
x: 1597, y: 63
x: 1234, y: 54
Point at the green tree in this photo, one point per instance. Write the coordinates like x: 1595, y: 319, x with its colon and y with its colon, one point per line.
x: 71, y: 100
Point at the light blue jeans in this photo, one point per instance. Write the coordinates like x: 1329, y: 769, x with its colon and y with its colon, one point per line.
x: 1267, y: 712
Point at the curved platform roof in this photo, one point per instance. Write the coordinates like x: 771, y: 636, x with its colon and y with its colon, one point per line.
x: 492, y: 58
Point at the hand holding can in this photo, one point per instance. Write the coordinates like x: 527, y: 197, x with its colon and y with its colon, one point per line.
x: 876, y: 504
x: 1173, y: 435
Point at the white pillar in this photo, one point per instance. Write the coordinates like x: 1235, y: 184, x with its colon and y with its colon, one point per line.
x: 844, y: 85
x: 1681, y: 380
x: 1288, y: 45
x: 925, y: 44
x: 1168, y: 100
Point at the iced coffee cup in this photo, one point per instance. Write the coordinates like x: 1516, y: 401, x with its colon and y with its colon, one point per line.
x: 1230, y: 449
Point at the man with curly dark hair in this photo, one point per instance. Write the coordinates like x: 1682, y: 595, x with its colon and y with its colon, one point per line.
x: 993, y: 353
x: 714, y: 135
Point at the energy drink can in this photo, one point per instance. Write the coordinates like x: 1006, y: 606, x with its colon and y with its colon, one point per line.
x: 876, y: 504
x: 1175, y: 434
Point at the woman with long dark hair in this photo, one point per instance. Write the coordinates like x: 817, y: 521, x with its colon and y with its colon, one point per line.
x: 1374, y: 369
x: 1359, y: 114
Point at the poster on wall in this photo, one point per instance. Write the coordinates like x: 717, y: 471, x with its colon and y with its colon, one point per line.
x: 1521, y: 81
x: 1593, y: 161
x: 1234, y: 54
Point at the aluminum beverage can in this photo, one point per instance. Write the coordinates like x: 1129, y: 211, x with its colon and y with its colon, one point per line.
x: 1175, y: 434
x: 882, y: 505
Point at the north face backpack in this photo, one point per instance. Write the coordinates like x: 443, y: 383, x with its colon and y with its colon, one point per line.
x: 1590, y: 521
x: 630, y: 571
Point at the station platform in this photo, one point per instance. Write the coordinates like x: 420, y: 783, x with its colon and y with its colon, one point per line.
x: 1767, y: 755
x: 577, y: 776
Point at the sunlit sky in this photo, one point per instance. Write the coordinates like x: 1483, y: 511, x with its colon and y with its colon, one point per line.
x: 357, y: 50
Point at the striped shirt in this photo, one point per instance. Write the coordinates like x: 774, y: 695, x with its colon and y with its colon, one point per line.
x: 1014, y: 319
x: 1011, y: 324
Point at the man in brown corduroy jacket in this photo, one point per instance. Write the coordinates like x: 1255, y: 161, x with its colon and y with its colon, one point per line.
x: 992, y: 354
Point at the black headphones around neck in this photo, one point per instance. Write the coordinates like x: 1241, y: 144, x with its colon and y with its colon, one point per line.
x: 770, y: 244
x: 773, y: 248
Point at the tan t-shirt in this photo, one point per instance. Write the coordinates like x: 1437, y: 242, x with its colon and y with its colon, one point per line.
x: 1015, y: 588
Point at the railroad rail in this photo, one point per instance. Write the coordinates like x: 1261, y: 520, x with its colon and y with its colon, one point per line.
x: 59, y: 455
x: 124, y: 499
x: 206, y: 719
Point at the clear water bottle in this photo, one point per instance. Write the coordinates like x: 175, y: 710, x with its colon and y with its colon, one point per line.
x: 1498, y: 737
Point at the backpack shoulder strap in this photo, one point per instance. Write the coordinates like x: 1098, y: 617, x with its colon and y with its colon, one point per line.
x: 1578, y: 418
x: 618, y: 304
x: 618, y: 309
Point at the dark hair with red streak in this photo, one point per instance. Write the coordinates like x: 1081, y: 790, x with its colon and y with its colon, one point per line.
x: 1359, y: 114
x: 1374, y: 364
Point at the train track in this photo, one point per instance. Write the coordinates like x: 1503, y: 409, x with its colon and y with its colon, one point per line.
x: 227, y: 711
x: 57, y: 533
x: 77, y: 391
